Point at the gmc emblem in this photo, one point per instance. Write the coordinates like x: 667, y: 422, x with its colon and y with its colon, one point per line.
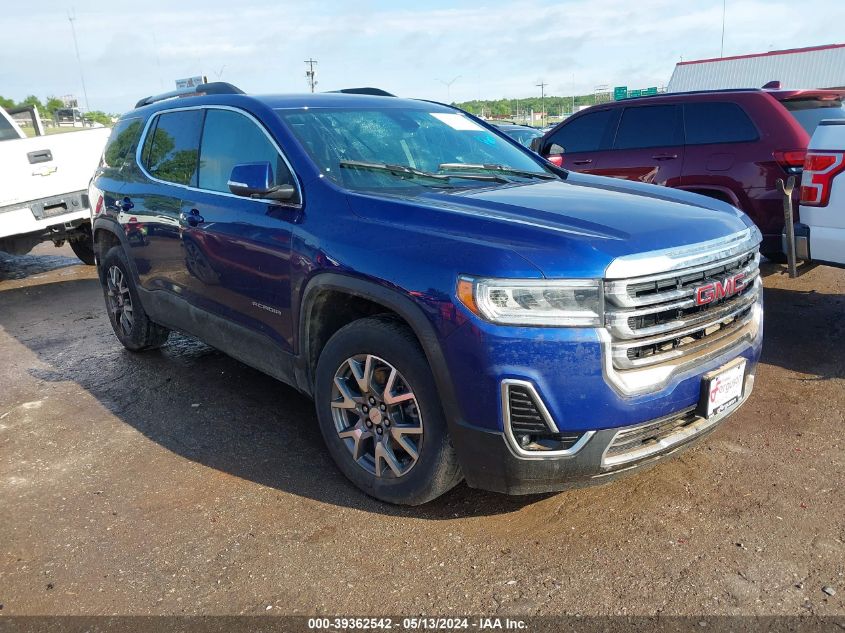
x: 719, y: 289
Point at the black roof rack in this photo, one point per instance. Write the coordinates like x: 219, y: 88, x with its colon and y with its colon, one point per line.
x: 375, y: 92
x: 213, y: 88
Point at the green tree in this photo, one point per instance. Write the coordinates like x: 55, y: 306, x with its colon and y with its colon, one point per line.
x: 52, y: 104
x: 5, y: 102
x: 33, y: 100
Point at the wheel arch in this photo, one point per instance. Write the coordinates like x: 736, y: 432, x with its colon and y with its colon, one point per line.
x: 365, y: 298
x: 107, y: 233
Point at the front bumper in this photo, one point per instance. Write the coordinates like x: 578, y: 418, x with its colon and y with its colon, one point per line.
x: 489, y: 462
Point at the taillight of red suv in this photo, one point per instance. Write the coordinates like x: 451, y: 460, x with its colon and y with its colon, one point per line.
x: 817, y: 179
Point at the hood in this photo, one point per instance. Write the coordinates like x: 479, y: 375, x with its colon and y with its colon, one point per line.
x: 570, y: 228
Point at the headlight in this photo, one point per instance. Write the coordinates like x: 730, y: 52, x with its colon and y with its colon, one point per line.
x: 549, y: 302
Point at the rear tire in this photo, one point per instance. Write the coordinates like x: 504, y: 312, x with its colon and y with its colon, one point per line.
x: 380, y: 414
x: 130, y: 322
x: 84, y: 250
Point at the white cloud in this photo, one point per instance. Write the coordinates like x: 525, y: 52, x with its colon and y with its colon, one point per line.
x: 499, y: 49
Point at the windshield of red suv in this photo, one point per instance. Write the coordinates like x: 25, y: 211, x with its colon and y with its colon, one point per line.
x: 388, y: 148
x: 808, y: 112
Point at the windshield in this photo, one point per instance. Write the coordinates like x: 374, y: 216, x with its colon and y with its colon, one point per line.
x: 388, y: 148
x: 808, y: 112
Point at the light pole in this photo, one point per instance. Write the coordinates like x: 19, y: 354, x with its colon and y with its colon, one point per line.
x: 71, y: 17
x: 722, y: 49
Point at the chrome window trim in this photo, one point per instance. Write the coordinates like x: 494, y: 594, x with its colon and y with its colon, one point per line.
x: 240, y: 111
x: 547, y: 418
x: 683, y: 257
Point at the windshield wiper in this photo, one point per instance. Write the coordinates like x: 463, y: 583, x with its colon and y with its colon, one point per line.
x: 496, y: 167
x: 403, y: 171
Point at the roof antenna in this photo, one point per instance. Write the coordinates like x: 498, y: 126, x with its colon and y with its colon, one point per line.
x: 772, y: 85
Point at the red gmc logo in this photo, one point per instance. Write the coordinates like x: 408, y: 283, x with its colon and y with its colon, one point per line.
x: 719, y: 289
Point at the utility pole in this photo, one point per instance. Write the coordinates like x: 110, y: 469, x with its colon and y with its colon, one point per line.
x: 71, y: 16
x: 311, y: 74
x: 722, y: 49
x: 542, y: 86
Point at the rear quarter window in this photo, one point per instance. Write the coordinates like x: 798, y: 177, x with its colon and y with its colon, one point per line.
x: 717, y: 122
x: 809, y: 112
x: 122, y: 143
x: 171, y: 149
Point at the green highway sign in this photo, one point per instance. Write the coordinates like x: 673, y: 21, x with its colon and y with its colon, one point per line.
x: 620, y: 92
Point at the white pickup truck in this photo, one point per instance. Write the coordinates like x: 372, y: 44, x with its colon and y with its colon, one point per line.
x: 44, y: 187
x: 820, y: 235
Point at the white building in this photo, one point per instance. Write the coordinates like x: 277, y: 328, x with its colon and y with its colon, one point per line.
x: 814, y: 67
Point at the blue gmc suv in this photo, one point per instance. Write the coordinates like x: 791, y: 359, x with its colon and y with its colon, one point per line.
x: 456, y: 306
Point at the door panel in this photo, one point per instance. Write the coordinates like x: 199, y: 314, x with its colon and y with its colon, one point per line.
x: 235, y: 261
x: 583, y: 140
x: 648, y: 146
x: 235, y: 251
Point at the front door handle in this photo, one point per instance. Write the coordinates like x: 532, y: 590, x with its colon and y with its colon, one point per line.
x: 583, y: 161
x: 193, y: 217
x: 665, y: 156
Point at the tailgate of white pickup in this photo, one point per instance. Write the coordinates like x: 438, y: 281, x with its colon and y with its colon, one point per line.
x: 48, y: 166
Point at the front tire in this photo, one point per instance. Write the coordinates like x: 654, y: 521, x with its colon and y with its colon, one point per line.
x: 380, y: 415
x: 130, y: 322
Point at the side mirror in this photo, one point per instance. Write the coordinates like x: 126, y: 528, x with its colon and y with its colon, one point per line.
x: 255, y: 180
x: 536, y: 143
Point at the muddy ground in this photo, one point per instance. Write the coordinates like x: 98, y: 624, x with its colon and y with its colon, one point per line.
x: 181, y: 481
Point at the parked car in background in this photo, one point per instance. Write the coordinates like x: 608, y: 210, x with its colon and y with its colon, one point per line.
x: 523, y: 134
x: 731, y: 145
x: 820, y: 235
x: 43, y: 187
x: 457, y: 307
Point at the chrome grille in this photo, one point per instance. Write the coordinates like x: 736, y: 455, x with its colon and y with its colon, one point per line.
x: 655, y: 319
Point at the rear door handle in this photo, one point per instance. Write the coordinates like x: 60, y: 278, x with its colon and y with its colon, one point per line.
x: 665, y: 156
x: 583, y: 161
x: 39, y: 156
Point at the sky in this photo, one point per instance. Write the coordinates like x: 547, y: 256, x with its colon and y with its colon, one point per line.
x: 491, y: 49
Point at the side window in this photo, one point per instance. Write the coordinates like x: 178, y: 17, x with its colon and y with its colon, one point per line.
x: 648, y: 126
x: 172, y: 147
x: 7, y: 131
x: 230, y: 139
x: 122, y: 142
x: 714, y: 122
x: 583, y: 134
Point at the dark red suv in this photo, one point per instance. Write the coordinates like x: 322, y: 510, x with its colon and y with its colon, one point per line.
x: 729, y: 144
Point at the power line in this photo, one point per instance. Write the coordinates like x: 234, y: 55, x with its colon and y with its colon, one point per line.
x: 311, y: 74
x: 71, y: 16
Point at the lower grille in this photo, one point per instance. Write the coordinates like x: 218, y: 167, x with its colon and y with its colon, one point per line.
x: 651, y: 439
x: 649, y: 434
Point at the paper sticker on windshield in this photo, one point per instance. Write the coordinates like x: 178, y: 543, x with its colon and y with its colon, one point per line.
x: 457, y: 121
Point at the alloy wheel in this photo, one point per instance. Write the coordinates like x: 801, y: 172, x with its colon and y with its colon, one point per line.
x: 377, y: 416
x: 120, y: 300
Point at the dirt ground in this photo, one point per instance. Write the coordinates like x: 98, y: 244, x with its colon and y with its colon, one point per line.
x: 183, y: 482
